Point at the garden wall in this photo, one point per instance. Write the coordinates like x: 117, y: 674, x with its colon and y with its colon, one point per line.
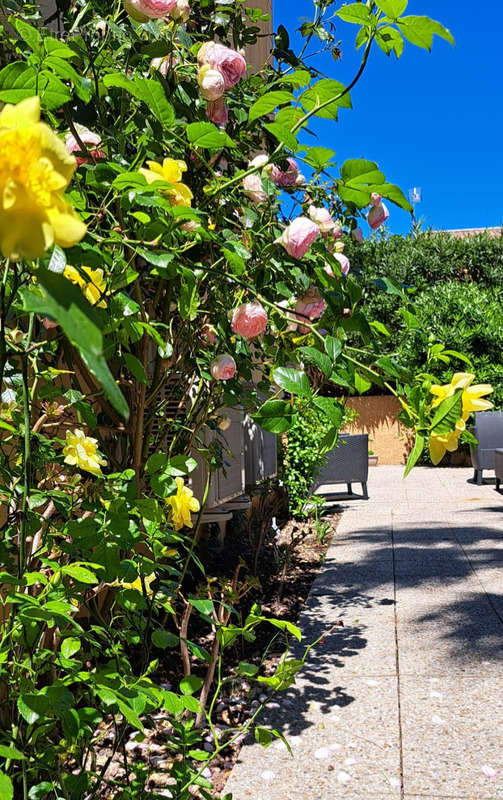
x: 378, y: 417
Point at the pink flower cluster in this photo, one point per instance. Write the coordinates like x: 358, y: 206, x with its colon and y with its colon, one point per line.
x: 289, y: 177
x: 220, y: 68
x: 143, y: 10
x: 310, y: 306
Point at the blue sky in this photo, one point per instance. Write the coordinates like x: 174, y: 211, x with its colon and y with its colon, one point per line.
x: 433, y: 120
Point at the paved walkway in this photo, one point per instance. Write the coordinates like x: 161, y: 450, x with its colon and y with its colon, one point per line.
x: 405, y: 701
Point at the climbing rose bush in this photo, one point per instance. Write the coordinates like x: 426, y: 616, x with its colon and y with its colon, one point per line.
x: 154, y: 277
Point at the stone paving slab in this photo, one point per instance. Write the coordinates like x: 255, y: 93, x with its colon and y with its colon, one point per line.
x: 416, y: 575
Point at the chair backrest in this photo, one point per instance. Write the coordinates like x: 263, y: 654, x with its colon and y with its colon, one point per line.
x: 488, y: 429
x: 347, y: 462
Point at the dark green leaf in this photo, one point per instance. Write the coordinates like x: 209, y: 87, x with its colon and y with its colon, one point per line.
x: 415, y: 454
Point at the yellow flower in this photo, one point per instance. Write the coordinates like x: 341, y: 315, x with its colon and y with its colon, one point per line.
x: 148, y: 579
x: 94, y: 289
x: 471, y: 394
x: 82, y: 451
x: 170, y: 171
x: 182, y: 503
x: 439, y: 444
x: 35, y: 170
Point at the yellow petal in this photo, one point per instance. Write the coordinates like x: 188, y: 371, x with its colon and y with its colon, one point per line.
x: 67, y: 226
x: 437, y: 447
x: 26, y: 111
x: 460, y: 380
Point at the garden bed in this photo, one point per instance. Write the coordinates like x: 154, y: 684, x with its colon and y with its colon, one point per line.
x: 279, y: 595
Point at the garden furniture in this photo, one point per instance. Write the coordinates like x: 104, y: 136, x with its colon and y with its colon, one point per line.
x: 498, y: 467
x: 488, y: 430
x: 346, y: 463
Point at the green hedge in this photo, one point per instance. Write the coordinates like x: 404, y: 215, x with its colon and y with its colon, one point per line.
x: 457, y: 290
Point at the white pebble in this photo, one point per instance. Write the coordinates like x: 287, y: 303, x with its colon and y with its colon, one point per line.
x: 489, y: 772
x: 437, y: 720
x: 268, y: 776
x: 343, y: 777
x: 322, y: 752
x: 437, y: 695
x: 348, y: 762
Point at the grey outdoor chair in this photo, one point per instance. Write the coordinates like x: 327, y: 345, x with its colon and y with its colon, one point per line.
x: 347, y: 463
x: 488, y: 430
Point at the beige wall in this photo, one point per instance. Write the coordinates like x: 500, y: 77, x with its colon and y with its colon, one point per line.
x: 378, y: 417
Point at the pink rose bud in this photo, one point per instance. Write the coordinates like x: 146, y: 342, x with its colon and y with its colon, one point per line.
x: 211, y: 83
x: 337, y: 231
x: 287, y: 178
x: 300, y: 179
x: 357, y: 235
x: 298, y: 237
x: 344, y: 262
x: 377, y: 215
x: 322, y: 218
x: 375, y: 199
x: 49, y: 323
x: 90, y: 139
x: 261, y: 160
x: 249, y: 320
x: 164, y: 64
x: 253, y: 188
x: 181, y: 11
x: 223, y: 368
x: 209, y: 334
x: 230, y: 63
x: 309, y: 306
x: 216, y: 111
x: 143, y: 10
x: 339, y: 247
x: 190, y: 226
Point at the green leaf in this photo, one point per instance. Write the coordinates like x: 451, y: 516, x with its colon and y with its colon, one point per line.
x: 268, y: 102
x: 247, y: 669
x: 274, y: 416
x: 80, y: 574
x: 11, y: 753
x: 357, y: 13
x: 70, y: 646
x: 293, y: 381
x: 135, y: 367
x: 333, y: 347
x: 318, y: 157
x: 7, y: 427
x: 29, y: 34
x: 323, y: 91
x: 58, y: 298
x: 235, y: 262
x: 6, y: 787
x: 283, y: 135
x: 40, y: 791
x: 298, y: 78
x: 355, y: 171
x: 395, y: 194
x: 71, y: 724
x: 320, y: 360
x: 390, y: 40
x: 447, y: 414
x: 331, y: 408
x: 188, y: 300
x: 414, y: 454
x: 62, y: 68
x: 361, y: 384
x: 164, y: 639
x: 205, y: 134
x: 420, y: 31
x: 19, y: 80
x: 151, y: 92
x: 392, y: 8
x: 263, y: 736
x: 32, y: 707
x: 190, y: 684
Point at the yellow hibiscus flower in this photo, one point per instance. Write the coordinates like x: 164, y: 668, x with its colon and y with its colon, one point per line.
x: 472, y: 395
x: 94, y: 289
x: 35, y: 170
x: 440, y: 444
x: 182, y: 503
x: 82, y: 451
x: 171, y: 171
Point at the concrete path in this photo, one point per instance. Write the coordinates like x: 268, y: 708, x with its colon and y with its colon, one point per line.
x: 406, y: 700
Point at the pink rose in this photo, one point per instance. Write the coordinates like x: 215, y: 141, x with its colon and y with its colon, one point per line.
x: 143, y: 10
x: 344, y: 262
x: 357, y: 235
x: 375, y: 199
x: 230, y: 63
x: 87, y: 137
x: 211, y: 83
x: 216, y: 111
x: 322, y: 218
x: 208, y: 334
x: 253, y: 188
x: 223, y: 368
x: 309, y: 306
x: 164, y: 64
x: 287, y: 178
x: 298, y: 237
x: 377, y: 215
x: 249, y: 320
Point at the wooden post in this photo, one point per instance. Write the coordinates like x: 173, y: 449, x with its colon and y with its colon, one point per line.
x: 260, y: 53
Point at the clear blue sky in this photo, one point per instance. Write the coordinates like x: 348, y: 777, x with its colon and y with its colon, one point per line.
x: 433, y: 120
